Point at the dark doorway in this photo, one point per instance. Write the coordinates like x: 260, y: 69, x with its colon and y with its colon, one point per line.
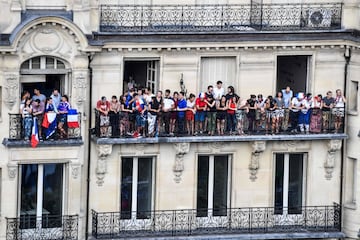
x: 46, y: 87
x: 141, y: 74
x: 292, y: 71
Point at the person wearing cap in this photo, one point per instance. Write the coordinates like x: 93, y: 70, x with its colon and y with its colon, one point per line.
x: 218, y: 91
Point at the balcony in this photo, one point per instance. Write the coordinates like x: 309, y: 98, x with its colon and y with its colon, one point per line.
x: 227, y: 18
x: 106, y: 135
x: 45, y: 228
x: 16, y: 134
x: 308, y: 222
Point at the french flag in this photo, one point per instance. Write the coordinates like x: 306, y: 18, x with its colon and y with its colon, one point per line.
x: 72, y: 119
x: 49, y: 123
x: 34, y: 134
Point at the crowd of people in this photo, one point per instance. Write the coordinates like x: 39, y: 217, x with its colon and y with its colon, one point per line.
x: 34, y: 110
x: 140, y: 113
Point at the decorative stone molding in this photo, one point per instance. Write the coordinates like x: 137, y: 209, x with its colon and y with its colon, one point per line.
x: 75, y: 170
x: 11, y: 87
x: 80, y: 87
x: 181, y: 149
x: 12, y: 170
x: 103, y: 152
x: 257, y: 148
x: 216, y: 146
x: 333, y: 147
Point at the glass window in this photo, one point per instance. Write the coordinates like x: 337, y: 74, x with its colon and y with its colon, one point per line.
x: 212, y: 185
x: 289, y: 181
x: 353, y: 98
x: 136, y: 187
x: 50, y: 63
x: 35, y: 63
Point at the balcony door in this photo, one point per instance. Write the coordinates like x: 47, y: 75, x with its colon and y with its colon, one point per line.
x: 41, y: 196
x: 141, y: 73
x: 289, y: 188
x: 213, y: 190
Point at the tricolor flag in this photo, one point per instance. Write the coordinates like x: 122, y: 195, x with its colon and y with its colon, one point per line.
x: 49, y: 122
x: 34, y: 134
x: 72, y: 119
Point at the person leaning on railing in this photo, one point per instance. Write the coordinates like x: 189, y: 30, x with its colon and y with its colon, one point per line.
x: 327, y: 105
x: 63, y: 109
x: 26, y: 114
x: 339, y: 109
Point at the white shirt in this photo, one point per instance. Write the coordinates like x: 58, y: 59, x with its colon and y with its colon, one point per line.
x: 218, y: 92
x: 168, y: 102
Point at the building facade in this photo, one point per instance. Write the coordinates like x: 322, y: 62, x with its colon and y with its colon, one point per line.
x: 283, y: 186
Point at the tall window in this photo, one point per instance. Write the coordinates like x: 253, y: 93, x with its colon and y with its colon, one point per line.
x: 41, y: 195
x: 289, y: 183
x: 213, y: 185
x: 353, y: 96
x: 136, y: 187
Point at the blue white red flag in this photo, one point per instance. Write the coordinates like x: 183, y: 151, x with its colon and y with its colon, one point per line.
x: 34, y: 134
x: 49, y: 122
x: 72, y: 119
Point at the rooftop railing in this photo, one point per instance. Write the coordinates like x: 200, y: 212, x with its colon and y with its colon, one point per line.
x: 309, y: 219
x: 219, y: 18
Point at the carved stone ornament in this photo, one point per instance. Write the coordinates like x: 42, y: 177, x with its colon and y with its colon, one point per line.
x: 75, y: 170
x: 181, y: 149
x: 11, y: 87
x: 103, y: 152
x: 257, y: 148
x: 12, y: 170
x: 329, y: 164
x: 80, y: 87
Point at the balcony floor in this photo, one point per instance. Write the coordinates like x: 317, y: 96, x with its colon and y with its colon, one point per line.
x: 236, y: 138
x: 12, y: 143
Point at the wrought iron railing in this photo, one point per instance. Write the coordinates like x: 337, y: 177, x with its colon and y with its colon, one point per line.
x: 109, y: 225
x: 16, y: 128
x: 42, y: 228
x: 328, y: 122
x: 220, y: 18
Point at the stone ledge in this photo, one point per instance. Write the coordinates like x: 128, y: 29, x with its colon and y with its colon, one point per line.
x: 202, y: 139
x: 48, y: 143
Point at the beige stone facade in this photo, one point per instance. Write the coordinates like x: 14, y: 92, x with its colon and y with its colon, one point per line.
x: 96, y: 64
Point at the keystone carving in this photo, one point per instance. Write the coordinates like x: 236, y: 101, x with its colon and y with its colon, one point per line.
x: 80, y: 86
x: 103, y: 152
x: 257, y: 148
x: 333, y: 147
x: 181, y: 149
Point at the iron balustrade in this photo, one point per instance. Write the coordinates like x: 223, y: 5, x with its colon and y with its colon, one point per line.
x: 109, y: 225
x: 16, y: 129
x: 261, y: 126
x: 42, y: 228
x: 219, y: 17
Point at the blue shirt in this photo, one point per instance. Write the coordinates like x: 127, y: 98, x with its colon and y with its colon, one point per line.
x: 182, y: 105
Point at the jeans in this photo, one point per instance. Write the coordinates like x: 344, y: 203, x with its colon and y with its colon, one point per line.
x: 27, y: 123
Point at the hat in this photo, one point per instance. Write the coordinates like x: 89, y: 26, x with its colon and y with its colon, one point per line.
x: 300, y: 95
x: 202, y: 95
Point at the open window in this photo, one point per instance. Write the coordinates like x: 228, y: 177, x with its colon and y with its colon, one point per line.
x: 141, y: 73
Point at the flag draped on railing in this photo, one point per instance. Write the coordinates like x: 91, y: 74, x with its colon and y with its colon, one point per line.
x: 49, y: 123
x: 34, y: 134
x: 72, y: 119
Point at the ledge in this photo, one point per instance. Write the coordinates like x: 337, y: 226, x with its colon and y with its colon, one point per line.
x: 198, y: 139
x: 49, y: 143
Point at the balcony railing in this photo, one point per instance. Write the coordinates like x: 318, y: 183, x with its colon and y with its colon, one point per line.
x: 42, y: 228
x: 109, y: 225
x: 16, y: 129
x: 329, y: 122
x: 219, y: 18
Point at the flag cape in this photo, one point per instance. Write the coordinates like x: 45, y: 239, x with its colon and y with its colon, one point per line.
x: 49, y: 122
x: 34, y: 134
x: 72, y: 119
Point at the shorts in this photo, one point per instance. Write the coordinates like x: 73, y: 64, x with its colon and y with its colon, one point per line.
x: 200, y: 116
x: 189, y: 115
x: 140, y: 120
x: 240, y: 114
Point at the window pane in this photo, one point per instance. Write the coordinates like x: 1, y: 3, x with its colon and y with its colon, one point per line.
x: 60, y: 64
x: 220, y: 185
x: 29, y: 175
x: 295, y: 183
x: 126, y: 187
x: 144, y: 188
x: 50, y: 63
x: 52, y: 195
x: 202, y: 186
x: 35, y: 63
x: 279, y: 183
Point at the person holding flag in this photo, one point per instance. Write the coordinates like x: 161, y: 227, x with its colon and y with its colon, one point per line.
x: 49, y: 121
x: 63, y: 110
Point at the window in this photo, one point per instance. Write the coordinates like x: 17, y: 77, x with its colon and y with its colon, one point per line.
x: 43, y: 62
x: 137, y: 179
x: 352, y: 179
x: 213, y: 183
x: 289, y: 183
x: 353, y: 96
x: 41, y: 195
x: 218, y: 68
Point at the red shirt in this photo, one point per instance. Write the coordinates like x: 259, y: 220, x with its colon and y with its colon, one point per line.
x: 200, y: 104
x: 231, y: 105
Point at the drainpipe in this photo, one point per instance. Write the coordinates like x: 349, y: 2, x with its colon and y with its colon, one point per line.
x: 347, y: 57
x: 87, y: 212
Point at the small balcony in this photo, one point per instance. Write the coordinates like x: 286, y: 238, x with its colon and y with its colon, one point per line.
x: 308, y: 222
x: 45, y: 228
x: 16, y: 134
x: 219, y: 18
x: 262, y: 130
